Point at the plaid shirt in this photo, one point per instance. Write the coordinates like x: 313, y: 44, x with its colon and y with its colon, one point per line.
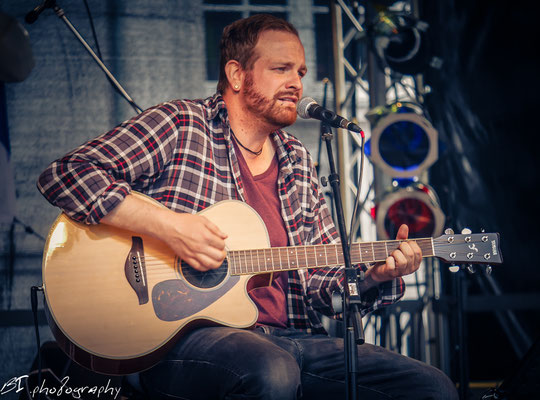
x: 180, y: 153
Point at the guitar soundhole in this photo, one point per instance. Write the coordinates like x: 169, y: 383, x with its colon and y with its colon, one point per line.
x: 203, y: 280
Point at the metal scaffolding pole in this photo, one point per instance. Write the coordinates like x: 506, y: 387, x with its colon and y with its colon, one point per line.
x: 356, y: 77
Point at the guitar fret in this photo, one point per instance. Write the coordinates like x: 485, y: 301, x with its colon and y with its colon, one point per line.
x: 234, y: 255
x: 326, y: 255
x: 271, y: 259
x: 288, y: 259
x: 315, y: 256
x: 230, y: 262
x: 239, y: 260
x: 244, y: 262
x: 280, y: 260
x: 254, y: 261
x: 379, y: 253
x: 365, y: 251
x: 266, y: 258
x: 358, y: 248
x: 307, y: 261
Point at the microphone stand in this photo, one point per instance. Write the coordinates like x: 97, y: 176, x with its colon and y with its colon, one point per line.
x: 60, y: 13
x: 350, y: 298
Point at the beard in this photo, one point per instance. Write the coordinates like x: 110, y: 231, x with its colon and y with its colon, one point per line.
x: 266, y: 108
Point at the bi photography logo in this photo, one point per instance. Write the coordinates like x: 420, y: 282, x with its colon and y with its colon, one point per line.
x: 54, y: 388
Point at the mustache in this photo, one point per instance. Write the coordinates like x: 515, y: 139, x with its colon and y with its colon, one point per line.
x: 288, y: 93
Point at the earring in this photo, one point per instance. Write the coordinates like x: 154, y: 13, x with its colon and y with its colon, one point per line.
x: 237, y: 86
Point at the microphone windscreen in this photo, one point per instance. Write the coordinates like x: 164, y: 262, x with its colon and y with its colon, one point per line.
x: 303, y: 106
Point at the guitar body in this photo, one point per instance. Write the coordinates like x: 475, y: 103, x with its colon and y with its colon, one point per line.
x: 117, y: 318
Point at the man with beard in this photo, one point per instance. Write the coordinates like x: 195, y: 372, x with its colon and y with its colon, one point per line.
x: 189, y: 155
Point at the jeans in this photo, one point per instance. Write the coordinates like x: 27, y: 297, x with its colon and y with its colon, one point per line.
x: 282, y: 364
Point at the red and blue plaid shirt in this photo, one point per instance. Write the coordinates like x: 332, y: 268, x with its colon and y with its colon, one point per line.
x: 180, y: 153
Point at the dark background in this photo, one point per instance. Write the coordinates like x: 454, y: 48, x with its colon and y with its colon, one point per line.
x: 484, y: 105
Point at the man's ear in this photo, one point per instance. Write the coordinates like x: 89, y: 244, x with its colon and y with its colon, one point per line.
x: 235, y: 75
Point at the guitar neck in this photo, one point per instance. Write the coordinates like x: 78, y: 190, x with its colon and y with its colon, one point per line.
x: 275, y: 259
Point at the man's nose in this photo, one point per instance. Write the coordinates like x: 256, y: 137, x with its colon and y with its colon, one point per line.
x: 295, y: 82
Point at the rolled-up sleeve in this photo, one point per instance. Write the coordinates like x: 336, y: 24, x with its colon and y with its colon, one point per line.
x: 93, y: 179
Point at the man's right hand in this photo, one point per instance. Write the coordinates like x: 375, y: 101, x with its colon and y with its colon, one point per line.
x: 192, y: 237
x: 197, y: 241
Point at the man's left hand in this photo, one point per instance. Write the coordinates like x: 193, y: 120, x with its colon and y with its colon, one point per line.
x: 403, y: 261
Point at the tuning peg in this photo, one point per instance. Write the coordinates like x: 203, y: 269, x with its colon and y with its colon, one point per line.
x: 448, y: 231
x: 488, y: 269
x: 466, y: 231
x: 471, y: 269
x: 453, y: 268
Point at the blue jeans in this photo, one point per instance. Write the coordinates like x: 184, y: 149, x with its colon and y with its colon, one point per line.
x: 282, y: 364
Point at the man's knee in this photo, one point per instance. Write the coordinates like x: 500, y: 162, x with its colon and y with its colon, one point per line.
x: 276, y: 376
x: 436, y: 384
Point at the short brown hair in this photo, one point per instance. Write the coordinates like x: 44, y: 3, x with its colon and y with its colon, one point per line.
x: 239, y: 39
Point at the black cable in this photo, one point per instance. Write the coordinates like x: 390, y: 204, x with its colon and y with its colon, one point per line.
x: 134, y: 105
x: 34, y: 302
x: 359, y: 186
x: 28, y: 229
x: 91, y: 20
x: 319, y: 150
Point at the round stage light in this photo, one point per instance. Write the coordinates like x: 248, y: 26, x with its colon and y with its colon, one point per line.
x: 401, y: 42
x: 416, y: 206
x: 403, y: 143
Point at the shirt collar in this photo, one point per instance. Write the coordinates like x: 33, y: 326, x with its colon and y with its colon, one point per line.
x: 215, y: 106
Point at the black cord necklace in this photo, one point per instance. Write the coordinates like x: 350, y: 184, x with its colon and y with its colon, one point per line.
x: 255, y: 153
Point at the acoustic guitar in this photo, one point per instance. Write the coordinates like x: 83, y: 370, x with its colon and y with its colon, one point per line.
x: 117, y: 301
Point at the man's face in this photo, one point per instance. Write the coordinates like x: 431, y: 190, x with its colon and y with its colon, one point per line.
x: 273, y: 86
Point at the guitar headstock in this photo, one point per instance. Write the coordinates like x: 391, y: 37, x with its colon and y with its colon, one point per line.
x: 473, y: 248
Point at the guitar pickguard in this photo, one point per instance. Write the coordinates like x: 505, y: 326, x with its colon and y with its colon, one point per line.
x: 174, y: 299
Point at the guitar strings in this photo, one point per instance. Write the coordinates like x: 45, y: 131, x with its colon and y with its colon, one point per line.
x: 247, y: 265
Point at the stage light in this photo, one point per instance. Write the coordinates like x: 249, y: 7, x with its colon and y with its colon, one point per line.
x: 401, y: 42
x: 416, y: 206
x: 403, y: 143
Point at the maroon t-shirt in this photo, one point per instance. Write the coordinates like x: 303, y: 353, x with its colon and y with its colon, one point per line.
x: 260, y: 192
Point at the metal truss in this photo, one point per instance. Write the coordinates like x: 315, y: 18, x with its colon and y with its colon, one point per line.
x: 361, y: 84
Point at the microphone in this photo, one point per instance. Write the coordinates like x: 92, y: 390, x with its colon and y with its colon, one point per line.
x: 308, y: 108
x: 33, y: 15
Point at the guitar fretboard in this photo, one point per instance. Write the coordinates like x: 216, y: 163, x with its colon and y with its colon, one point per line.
x: 242, y: 262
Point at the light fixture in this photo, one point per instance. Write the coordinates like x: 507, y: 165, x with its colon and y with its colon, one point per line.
x: 400, y: 41
x: 403, y: 143
x: 415, y: 205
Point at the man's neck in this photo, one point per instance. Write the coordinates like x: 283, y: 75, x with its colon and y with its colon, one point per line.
x: 251, y: 132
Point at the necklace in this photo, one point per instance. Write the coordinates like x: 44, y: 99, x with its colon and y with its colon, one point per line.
x: 255, y: 153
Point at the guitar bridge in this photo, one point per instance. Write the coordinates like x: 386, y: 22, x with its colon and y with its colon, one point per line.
x: 135, y: 269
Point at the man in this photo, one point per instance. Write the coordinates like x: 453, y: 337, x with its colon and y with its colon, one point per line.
x: 191, y: 154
